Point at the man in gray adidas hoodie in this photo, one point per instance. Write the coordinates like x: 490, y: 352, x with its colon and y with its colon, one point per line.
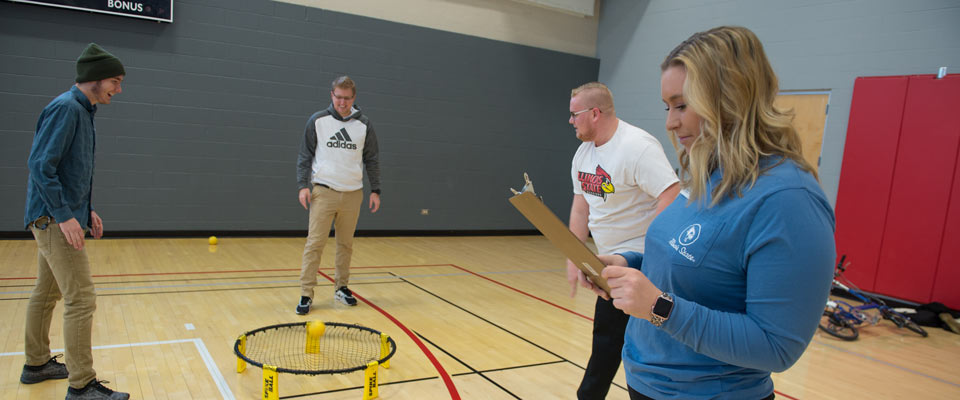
x: 336, y: 143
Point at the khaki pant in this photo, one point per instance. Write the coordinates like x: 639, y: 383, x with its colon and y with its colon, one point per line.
x: 342, y: 209
x: 62, y: 271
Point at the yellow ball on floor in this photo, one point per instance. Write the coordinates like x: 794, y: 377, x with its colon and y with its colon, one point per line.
x: 212, y: 240
x: 315, y: 328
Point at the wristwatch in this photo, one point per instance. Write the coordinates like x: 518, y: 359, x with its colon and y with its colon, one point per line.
x: 660, y: 312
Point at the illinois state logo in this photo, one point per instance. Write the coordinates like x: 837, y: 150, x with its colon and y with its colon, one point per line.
x: 599, y: 184
x: 687, y: 237
x: 690, y: 235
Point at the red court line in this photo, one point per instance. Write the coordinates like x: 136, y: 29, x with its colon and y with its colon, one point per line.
x: 454, y: 395
x: 787, y: 396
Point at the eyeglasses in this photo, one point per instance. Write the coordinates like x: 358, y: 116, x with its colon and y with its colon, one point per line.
x: 575, y: 114
x: 343, y: 97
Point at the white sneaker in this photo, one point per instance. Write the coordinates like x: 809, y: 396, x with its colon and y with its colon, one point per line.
x: 345, y: 296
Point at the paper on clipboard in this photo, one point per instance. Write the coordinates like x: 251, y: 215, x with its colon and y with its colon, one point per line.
x: 527, y: 202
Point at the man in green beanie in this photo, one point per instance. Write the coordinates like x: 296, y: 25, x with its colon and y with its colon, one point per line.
x: 59, y: 213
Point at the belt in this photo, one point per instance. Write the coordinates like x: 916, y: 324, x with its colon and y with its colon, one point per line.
x: 42, y: 222
x: 328, y: 187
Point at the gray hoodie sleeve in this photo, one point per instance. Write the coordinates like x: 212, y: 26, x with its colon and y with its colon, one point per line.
x: 308, y: 148
x: 371, y: 158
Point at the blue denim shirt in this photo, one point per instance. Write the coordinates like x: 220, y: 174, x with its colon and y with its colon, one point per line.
x: 61, y: 161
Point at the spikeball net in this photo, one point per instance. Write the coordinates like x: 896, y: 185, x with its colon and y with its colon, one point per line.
x: 314, y: 348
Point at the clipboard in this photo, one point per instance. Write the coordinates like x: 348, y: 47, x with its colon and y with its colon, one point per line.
x: 535, y: 211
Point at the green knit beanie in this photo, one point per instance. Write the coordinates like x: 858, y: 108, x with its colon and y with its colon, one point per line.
x: 95, y: 64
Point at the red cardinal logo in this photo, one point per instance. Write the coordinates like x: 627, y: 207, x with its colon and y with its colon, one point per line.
x: 599, y: 184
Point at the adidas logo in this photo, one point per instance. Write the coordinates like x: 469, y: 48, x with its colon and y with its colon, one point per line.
x: 341, y: 141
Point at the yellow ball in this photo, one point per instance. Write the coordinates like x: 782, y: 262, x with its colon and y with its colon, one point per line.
x: 315, y: 328
x: 212, y: 240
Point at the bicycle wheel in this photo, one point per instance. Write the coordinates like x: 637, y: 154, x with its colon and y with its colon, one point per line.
x: 904, y: 322
x: 838, y: 327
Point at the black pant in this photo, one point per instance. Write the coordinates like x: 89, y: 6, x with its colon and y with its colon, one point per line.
x: 634, y: 395
x: 609, y: 325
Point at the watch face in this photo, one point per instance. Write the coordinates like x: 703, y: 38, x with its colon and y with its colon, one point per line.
x: 662, y: 307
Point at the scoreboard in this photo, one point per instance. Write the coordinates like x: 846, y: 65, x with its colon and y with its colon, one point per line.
x: 157, y: 10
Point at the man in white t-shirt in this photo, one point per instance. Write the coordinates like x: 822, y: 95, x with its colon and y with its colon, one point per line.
x: 621, y: 181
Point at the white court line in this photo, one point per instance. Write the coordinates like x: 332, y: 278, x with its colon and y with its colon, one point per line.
x: 198, y: 343
x: 297, y: 282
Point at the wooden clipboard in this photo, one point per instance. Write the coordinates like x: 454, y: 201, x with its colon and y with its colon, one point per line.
x: 557, y: 232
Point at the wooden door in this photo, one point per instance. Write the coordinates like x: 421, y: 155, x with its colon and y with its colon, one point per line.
x: 810, y: 117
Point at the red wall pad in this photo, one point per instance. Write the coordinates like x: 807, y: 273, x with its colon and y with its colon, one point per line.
x: 922, y: 180
x: 873, y: 133
x: 946, y: 286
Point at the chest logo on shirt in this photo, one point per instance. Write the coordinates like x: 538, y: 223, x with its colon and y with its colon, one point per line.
x: 599, y: 184
x: 341, y: 141
x: 687, y: 237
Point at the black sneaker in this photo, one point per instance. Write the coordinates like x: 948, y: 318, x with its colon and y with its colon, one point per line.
x: 304, y: 307
x: 95, y: 391
x: 345, y: 296
x: 52, y: 369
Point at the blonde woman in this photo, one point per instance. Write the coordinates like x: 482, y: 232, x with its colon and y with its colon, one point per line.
x: 737, y: 269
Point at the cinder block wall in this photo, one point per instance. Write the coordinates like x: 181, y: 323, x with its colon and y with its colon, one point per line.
x: 206, y: 133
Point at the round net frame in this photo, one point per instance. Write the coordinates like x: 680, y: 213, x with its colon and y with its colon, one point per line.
x: 343, y: 348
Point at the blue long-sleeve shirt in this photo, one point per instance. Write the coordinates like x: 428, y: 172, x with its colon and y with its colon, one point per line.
x: 61, y: 160
x: 749, y: 277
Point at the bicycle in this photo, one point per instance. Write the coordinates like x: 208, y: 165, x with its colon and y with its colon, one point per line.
x: 841, y: 319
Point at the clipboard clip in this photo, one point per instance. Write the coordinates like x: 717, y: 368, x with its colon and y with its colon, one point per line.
x: 527, y: 187
x: 535, y: 210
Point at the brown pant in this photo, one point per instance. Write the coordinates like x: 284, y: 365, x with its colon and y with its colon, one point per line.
x: 342, y: 209
x: 62, y: 271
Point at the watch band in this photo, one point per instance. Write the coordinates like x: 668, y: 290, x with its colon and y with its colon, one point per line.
x: 656, y: 319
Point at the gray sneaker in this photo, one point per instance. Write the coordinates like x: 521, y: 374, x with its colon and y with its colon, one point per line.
x: 52, y: 369
x: 95, y: 391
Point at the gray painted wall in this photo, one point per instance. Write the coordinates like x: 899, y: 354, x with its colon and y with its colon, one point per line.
x: 206, y: 132
x: 812, y: 44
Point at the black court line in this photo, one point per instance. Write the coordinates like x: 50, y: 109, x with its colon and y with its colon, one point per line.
x: 516, y: 367
x: 419, y: 379
x: 472, y: 369
x: 358, y: 387
x: 475, y: 315
x: 498, y: 326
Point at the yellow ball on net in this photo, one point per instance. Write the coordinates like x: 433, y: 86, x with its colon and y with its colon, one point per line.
x: 315, y: 328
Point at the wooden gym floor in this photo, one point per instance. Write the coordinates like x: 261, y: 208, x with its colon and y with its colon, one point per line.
x: 473, y: 318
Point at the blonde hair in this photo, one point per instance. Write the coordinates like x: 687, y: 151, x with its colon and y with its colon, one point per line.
x: 345, y: 83
x: 731, y: 86
x: 596, y: 94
